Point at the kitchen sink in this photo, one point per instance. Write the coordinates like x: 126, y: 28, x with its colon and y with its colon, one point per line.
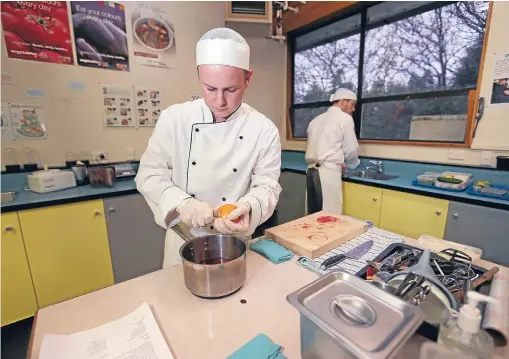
x: 8, y: 196
x: 372, y: 175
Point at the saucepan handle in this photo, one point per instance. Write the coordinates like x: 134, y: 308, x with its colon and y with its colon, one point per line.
x: 185, y: 235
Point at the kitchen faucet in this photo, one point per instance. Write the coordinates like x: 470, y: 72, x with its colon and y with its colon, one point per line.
x: 379, y: 166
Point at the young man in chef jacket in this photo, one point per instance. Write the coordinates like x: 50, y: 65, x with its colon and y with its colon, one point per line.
x: 212, y: 151
x: 332, y: 148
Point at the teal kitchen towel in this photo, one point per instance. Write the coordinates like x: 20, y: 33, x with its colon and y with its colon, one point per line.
x: 260, y: 347
x: 272, y: 250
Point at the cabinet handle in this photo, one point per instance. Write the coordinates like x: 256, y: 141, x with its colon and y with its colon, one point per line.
x: 97, y: 212
x: 438, y: 212
x: 455, y: 216
x: 375, y: 199
x: 111, y: 210
x: 9, y: 228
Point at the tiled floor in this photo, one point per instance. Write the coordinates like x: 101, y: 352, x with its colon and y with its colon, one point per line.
x: 15, y: 339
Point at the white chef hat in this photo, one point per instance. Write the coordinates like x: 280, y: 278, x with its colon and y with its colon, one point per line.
x: 222, y: 46
x: 343, y: 93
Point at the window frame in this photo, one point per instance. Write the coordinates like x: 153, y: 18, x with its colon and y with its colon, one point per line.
x: 362, y: 9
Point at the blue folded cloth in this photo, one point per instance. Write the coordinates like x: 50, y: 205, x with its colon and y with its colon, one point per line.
x: 271, y: 250
x: 260, y: 347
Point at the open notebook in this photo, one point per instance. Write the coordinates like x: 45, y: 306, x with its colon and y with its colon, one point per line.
x: 135, y: 335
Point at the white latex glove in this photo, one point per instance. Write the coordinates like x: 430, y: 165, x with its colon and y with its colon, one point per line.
x: 195, y: 213
x: 227, y: 226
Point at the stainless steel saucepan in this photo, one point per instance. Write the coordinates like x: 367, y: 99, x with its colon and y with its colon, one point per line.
x: 214, y: 265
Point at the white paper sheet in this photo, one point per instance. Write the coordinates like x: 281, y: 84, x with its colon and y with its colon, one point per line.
x: 148, y: 105
x: 118, y: 103
x: 133, y: 336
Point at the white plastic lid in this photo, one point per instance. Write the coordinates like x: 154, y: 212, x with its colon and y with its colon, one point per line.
x: 469, y: 318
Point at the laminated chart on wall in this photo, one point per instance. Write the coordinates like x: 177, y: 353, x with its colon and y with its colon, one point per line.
x: 37, y: 31
x: 100, y: 34
x: 27, y: 121
x: 500, y: 91
x: 118, y: 106
x: 153, y: 34
x: 148, y: 105
x: 7, y: 134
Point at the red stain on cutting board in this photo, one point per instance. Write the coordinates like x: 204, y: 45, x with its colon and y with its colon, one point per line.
x: 327, y: 219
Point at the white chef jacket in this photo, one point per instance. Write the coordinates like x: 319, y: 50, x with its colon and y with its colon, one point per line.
x: 332, y: 140
x: 190, y: 155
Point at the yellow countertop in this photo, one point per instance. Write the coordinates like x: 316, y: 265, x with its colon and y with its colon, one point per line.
x: 197, y: 328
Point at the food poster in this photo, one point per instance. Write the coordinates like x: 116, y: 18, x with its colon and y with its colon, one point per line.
x: 7, y: 135
x: 118, y: 103
x: 153, y: 34
x: 38, y: 31
x: 27, y: 121
x: 100, y: 34
x: 500, y: 90
x: 148, y: 106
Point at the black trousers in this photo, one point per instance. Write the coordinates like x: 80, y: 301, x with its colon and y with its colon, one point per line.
x: 314, y: 190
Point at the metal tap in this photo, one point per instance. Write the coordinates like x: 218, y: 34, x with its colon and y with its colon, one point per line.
x: 379, y: 166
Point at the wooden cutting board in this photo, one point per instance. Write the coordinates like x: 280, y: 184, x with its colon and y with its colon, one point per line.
x: 313, y: 235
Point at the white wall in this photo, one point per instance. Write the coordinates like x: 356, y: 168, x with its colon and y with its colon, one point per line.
x: 79, y: 126
x: 493, y: 130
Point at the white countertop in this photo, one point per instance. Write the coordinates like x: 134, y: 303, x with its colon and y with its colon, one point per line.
x: 197, y: 328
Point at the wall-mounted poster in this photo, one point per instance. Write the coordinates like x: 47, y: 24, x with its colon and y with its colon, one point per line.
x: 500, y: 93
x: 7, y: 134
x: 27, y: 121
x: 100, y: 34
x: 117, y: 104
x: 37, y: 30
x: 148, y: 105
x: 153, y: 34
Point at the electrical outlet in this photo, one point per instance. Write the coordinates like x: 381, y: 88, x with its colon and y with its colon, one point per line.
x: 456, y: 155
x: 486, y: 158
x: 129, y: 153
x: 99, y: 156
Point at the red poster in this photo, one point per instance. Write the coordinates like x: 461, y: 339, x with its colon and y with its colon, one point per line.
x: 37, y: 30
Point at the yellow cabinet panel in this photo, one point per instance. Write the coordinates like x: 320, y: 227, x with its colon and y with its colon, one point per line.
x: 68, y: 251
x: 413, y: 215
x: 362, y: 202
x: 18, y: 296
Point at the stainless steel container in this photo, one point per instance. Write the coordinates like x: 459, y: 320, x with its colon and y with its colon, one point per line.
x: 214, y: 265
x: 342, y: 316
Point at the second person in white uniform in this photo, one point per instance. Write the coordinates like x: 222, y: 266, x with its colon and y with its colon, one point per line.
x: 332, y: 148
x: 212, y: 151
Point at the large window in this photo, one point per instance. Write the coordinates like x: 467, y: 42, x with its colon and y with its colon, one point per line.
x: 412, y: 64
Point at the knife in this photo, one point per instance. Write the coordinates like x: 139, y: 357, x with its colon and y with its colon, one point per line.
x: 354, y: 253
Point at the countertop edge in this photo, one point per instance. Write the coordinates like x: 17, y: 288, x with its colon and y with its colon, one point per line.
x: 435, y: 194
x: 55, y: 202
x: 6, y: 207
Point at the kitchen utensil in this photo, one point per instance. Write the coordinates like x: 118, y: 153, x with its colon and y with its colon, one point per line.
x: 435, y: 306
x: 80, y: 173
x: 354, y: 253
x: 437, y: 244
x: 457, y: 256
x: 316, y: 234
x: 214, y: 265
x: 343, y: 316
x: 102, y: 176
x: 485, y: 277
x: 423, y: 268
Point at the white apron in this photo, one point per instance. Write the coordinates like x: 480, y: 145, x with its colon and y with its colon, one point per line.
x: 332, y: 190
